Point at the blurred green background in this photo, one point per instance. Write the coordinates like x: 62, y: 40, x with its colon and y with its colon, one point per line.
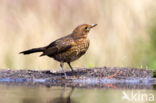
x: 125, y: 35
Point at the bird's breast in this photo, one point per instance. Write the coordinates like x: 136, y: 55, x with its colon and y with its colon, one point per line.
x: 81, y: 45
x: 78, y: 49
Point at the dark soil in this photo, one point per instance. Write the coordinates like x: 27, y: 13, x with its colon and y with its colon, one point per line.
x: 105, y: 77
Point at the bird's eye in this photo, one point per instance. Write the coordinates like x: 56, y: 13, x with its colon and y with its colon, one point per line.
x: 86, y: 28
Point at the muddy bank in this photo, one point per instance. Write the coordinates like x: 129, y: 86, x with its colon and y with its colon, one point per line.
x: 105, y: 77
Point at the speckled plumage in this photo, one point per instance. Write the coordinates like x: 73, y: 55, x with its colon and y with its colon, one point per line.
x: 68, y: 48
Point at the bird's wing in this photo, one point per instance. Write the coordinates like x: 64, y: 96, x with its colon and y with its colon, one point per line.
x: 58, y: 46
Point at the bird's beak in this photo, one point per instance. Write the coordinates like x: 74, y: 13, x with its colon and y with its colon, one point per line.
x: 93, y: 25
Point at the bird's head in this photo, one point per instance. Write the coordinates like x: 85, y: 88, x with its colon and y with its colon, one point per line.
x: 82, y: 30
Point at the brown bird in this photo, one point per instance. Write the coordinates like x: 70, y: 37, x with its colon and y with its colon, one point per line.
x: 67, y: 49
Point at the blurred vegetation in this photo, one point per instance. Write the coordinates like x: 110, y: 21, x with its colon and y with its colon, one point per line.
x: 125, y: 35
x: 152, y: 50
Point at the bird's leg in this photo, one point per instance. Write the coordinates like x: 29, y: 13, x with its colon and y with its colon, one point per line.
x: 70, y: 67
x: 61, y: 65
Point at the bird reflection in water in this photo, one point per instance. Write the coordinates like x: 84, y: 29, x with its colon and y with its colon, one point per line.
x: 62, y: 98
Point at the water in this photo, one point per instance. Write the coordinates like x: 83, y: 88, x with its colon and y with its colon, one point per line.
x: 42, y: 94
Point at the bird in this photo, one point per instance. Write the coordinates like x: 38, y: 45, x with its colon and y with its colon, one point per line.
x: 68, y: 48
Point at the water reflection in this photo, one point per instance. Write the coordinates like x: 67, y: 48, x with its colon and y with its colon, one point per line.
x: 63, y: 99
x: 59, y: 99
x: 41, y: 94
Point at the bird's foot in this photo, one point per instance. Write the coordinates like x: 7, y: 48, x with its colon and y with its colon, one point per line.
x: 73, y: 71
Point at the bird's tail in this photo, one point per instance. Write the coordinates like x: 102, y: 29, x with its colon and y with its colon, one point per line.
x: 34, y: 50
